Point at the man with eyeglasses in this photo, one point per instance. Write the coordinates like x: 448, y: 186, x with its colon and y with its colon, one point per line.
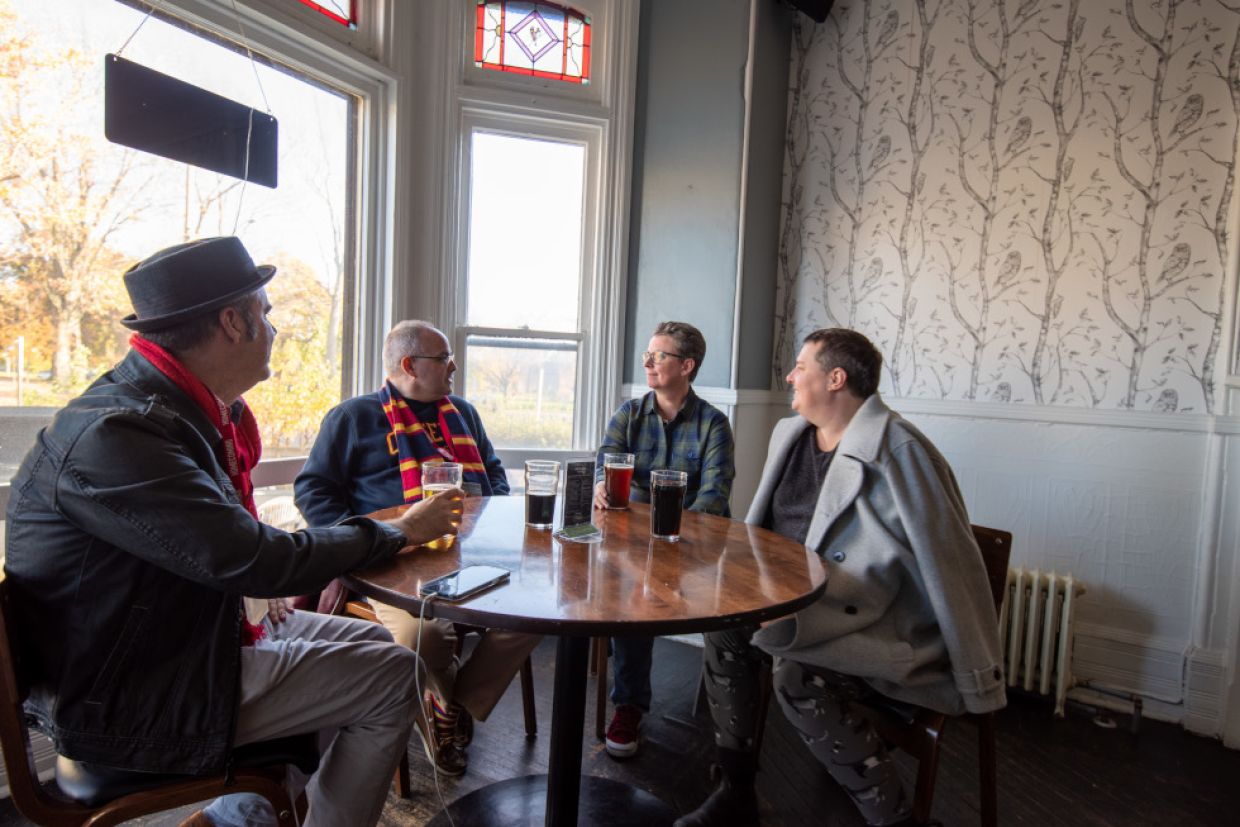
x: 368, y: 456
x: 669, y: 427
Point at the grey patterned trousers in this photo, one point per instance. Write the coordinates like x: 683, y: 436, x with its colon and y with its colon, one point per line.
x: 819, y: 704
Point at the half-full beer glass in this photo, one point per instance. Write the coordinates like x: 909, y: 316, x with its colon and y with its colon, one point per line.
x: 542, y: 477
x: 437, y: 477
x: 667, y: 499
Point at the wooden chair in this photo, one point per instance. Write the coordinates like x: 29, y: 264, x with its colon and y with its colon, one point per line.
x: 527, y: 679
x: 355, y: 607
x: 100, y: 796
x: 917, y: 731
x: 598, y: 668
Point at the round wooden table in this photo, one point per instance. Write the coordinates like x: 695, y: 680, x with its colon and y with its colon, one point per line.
x: 721, y: 574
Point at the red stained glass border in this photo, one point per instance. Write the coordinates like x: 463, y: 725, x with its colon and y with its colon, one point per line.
x: 351, y: 20
x: 480, y: 27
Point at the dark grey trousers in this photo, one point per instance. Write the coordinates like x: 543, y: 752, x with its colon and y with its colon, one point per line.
x: 819, y: 704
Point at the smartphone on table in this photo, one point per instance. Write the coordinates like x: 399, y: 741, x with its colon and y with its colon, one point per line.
x: 465, y: 582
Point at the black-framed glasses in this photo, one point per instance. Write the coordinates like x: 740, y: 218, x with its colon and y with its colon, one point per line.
x: 442, y: 358
x: 657, y: 356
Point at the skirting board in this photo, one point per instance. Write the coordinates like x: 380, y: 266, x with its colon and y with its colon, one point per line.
x: 1205, y: 692
x: 1130, y: 662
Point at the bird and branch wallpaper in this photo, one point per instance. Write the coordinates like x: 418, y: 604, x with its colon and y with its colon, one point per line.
x: 1024, y: 201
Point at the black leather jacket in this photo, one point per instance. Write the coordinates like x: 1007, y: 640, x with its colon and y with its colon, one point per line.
x: 128, y: 552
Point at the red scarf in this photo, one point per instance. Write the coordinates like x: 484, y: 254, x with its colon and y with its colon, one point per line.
x: 240, y: 447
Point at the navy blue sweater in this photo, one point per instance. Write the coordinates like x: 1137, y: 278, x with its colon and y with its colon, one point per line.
x: 350, y: 471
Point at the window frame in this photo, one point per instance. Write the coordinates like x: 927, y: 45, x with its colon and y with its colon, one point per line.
x: 602, y: 16
x: 519, y: 104
x: 307, y: 50
x: 562, y: 130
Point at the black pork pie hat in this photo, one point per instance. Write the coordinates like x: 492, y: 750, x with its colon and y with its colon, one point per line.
x: 190, y: 279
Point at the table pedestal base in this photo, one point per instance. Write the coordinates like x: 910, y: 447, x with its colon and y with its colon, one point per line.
x: 522, y: 802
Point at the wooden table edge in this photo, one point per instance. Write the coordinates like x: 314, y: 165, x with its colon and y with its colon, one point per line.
x: 462, y: 613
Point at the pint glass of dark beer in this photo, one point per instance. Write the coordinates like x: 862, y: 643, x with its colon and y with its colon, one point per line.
x: 667, y: 500
x: 617, y: 476
x: 542, y: 477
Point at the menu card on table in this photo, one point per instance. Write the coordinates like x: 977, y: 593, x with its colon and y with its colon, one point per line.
x: 579, y: 504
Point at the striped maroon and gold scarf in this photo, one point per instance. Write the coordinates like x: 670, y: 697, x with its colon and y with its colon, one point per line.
x: 413, y: 446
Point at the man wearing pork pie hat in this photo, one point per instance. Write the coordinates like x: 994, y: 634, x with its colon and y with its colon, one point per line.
x: 132, y: 535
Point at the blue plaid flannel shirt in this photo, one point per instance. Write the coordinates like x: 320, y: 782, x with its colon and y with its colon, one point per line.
x: 698, y: 441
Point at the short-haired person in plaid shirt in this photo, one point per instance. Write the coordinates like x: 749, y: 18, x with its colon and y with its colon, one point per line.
x: 669, y: 427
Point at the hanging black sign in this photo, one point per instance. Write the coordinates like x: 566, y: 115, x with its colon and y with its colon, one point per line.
x: 156, y: 113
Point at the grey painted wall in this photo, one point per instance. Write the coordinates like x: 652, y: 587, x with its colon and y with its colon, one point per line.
x: 768, y: 116
x: 686, y: 182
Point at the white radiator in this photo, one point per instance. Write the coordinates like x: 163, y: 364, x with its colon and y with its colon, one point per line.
x: 1035, y: 627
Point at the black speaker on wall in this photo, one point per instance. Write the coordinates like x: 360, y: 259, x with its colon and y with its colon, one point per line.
x: 816, y: 9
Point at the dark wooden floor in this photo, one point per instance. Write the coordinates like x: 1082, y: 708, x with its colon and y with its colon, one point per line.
x: 1051, y: 772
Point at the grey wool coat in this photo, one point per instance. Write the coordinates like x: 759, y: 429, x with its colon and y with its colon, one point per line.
x: 907, y: 605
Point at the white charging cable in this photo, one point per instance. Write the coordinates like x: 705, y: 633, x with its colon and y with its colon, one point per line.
x: 430, y: 724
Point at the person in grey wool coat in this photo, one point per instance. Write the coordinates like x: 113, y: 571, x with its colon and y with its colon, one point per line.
x: 907, y: 612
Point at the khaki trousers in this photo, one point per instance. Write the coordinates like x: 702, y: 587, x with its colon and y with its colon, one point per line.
x: 480, y: 681
x: 339, y: 677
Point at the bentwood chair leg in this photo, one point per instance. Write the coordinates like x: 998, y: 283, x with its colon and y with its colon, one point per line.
x: 765, y: 691
x: 987, y: 771
x: 927, y: 771
x: 527, y: 699
x: 600, y: 669
x: 699, y: 687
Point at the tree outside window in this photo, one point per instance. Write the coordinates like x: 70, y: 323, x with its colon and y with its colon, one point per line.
x: 76, y: 211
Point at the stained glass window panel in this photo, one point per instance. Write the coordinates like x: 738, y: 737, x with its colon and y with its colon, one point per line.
x: 343, y: 12
x: 533, y: 38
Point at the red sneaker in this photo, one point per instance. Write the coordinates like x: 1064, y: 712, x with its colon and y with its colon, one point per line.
x: 622, y: 734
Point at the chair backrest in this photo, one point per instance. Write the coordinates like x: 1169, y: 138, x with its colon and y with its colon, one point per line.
x: 996, y: 549
x: 263, y: 777
x: 23, y: 776
x: 281, y: 512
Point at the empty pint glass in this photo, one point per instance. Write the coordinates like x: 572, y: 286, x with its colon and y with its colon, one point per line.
x: 542, y: 477
x: 617, y: 476
x: 667, y: 500
x: 437, y: 477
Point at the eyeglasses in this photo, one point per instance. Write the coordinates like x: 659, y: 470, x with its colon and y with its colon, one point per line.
x: 657, y: 356
x: 442, y: 358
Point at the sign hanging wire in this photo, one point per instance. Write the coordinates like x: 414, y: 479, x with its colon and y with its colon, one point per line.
x: 249, y: 132
x: 141, y: 23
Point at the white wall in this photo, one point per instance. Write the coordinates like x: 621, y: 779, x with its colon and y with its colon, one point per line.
x: 1030, y: 209
x: 1120, y: 500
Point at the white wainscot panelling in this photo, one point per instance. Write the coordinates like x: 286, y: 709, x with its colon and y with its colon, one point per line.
x: 1117, y: 499
x: 1119, y: 507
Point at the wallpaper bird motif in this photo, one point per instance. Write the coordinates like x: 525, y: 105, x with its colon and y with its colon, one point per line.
x: 1020, y: 201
